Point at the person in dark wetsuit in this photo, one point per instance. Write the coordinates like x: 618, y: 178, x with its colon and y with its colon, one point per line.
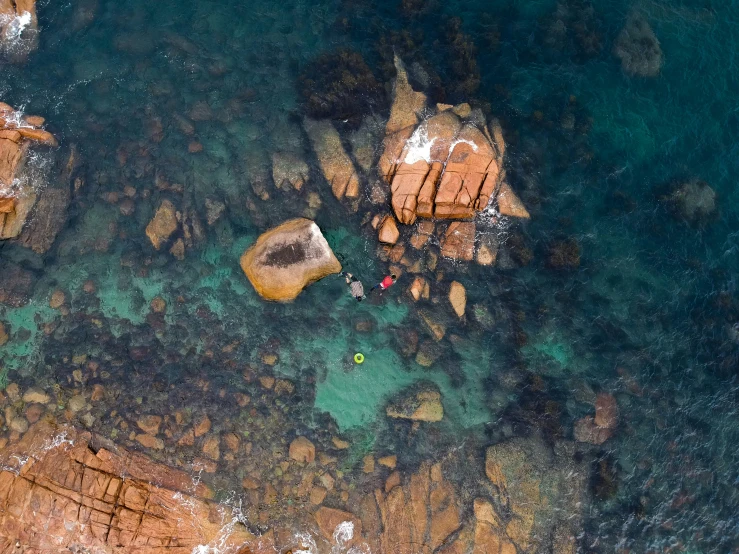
x: 388, y: 281
x: 355, y: 286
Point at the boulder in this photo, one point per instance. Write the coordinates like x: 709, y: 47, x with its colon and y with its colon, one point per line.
x: 458, y: 298
x: 338, y: 526
x: 407, y: 103
x: 46, y: 220
x: 286, y: 259
x: 336, y: 165
x: 419, y: 289
x: 638, y: 48
x: 509, y: 204
x: 162, y: 225
x: 388, y: 230
x: 418, y: 404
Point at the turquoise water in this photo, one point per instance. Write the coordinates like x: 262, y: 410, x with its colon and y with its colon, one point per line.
x: 646, y: 315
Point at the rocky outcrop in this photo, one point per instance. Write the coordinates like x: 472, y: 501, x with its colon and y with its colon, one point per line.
x: 286, y: 259
x: 638, y: 48
x: 448, y: 166
x: 18, y: 191
x: 336, y: 165
x: 18, y: 29
x: 59, y: 494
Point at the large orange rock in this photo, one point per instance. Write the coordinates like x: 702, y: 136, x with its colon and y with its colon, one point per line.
x: 286, y: 259
x: 56, y: 494
x: 447, y: 166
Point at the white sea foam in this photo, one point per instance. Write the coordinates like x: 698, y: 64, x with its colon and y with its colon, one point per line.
x: 16, y: 25
x: 419, y: 145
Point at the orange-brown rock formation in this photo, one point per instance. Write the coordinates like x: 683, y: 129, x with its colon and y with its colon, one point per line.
x: 58, y: 494
x: 447, y: 166
x: 17, y: 196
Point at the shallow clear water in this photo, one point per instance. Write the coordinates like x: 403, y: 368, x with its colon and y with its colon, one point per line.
x: 646, y: 315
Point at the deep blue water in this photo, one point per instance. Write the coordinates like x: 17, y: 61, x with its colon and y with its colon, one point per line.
x: 646, y: 315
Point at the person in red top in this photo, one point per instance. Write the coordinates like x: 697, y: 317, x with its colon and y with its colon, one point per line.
x: 388, y: 281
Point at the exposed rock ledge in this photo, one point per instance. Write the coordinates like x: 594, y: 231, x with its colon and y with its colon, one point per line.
x: 58, y: 494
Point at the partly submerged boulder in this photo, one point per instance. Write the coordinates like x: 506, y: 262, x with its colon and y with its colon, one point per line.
x: 286, y: 259
x: 418, y: 404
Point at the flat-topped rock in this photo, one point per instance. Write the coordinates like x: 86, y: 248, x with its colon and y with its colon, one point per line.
x: 286, y: 259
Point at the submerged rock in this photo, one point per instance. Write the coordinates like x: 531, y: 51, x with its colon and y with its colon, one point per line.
x: 16, y: 284
x: 162, y: 225
x: 289, y: 169
x: 597, y: 430
x: 286, y: 259
x: 541, y: 488
x: 695, y: 201
x: 638, y: 48
x: 458, y: 243
x: 422, y: 404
